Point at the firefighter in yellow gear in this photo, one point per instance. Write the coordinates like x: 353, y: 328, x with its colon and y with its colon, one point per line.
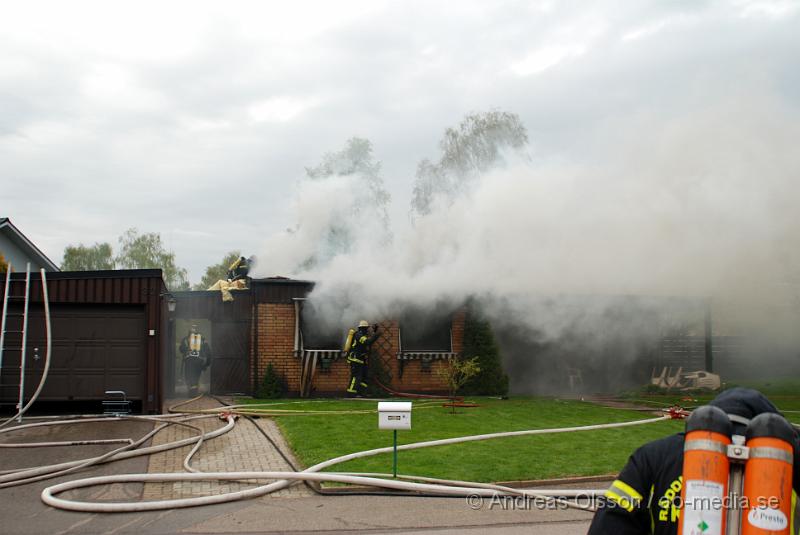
x: 358, y: 357
x: 196, y: 358
x: 240, y: 268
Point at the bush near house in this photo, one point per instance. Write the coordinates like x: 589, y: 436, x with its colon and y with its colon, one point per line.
x: 479, y: 342
x: 273, y: 386
x: 456, y: 373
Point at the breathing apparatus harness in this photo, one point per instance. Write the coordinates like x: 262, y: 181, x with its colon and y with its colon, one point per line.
x: 195, y: 344
x: 736, y: 484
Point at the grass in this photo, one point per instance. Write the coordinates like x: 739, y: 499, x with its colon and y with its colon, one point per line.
x: 318, y: 438
x: 784, y: 393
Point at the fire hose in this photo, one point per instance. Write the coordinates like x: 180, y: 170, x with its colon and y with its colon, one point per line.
x: 29, y: 475
x: 414, y: 396
x: 452, y: 401
x: 49, y: 495
x: 48, y: 353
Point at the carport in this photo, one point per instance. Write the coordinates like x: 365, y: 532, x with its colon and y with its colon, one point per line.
x: 227, y: 326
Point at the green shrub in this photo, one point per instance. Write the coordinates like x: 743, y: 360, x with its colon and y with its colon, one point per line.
x: 273, y: 386
x: 479, y: 342
x: 455, y: 373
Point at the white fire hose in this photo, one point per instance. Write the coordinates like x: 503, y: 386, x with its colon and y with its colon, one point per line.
x: 29, y: 475
x: 48, y: 353
x: 311, y: 474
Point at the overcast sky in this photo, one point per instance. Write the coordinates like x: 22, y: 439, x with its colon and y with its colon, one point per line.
x: 196, y: 119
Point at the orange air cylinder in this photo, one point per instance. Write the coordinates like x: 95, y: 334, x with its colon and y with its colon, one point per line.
x: 768, y: 476
x: 705, y: 472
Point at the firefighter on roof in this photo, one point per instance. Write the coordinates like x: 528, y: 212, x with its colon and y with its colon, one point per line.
x: 196, y: 357
x: 357, y: 348
x: 240, y: 268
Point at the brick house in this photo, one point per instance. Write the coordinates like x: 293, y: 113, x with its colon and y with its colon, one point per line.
x: 269, y: 324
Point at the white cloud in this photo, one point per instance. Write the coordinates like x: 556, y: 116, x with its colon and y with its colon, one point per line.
x: 192, y: 233
x: 774, y: 9
x: 178, y: 104
x: 565, y: 42
x: 545, y: 58
x: 280, y: 109
x: 644, y: 31
x: 112, y: 85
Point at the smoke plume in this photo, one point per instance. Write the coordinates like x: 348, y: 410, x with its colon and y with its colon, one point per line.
x: 702, y: 207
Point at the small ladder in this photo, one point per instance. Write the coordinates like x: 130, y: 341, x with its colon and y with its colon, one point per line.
x: 23, y: 331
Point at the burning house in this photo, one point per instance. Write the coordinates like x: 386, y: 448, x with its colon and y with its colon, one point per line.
x: 274, y: 322
x: 121, y: 331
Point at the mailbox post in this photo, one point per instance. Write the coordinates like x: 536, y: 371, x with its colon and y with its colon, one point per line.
x: 394, y: 415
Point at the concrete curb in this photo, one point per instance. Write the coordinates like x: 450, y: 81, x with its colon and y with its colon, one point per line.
x: 608, y: 478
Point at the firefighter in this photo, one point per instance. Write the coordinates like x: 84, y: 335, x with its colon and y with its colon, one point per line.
x: 196, y: 357
x: 358, y: 357
x: 240, y: 268
x: 642, y: 500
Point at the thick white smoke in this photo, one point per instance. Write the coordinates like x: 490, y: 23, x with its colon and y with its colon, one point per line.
x: 702, y: 205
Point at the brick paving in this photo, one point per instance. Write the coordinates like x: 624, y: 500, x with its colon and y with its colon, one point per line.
x: 243, y: 448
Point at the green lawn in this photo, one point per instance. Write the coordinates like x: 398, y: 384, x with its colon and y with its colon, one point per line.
x: 784, y: 393
x: 318, y: 438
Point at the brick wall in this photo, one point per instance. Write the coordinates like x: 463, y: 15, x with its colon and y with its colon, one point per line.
x: 276, y: 324
x: 276, y: 342
x: 331, y: 381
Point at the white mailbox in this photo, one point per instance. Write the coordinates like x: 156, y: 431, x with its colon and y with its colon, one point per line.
x: 394, y: 415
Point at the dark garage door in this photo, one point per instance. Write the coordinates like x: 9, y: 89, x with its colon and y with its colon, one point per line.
x: 95, y: 348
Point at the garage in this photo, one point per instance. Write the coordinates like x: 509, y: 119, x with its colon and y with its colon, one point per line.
x: 107, y: 335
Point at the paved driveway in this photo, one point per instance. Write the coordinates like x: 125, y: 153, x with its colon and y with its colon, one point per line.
x: 295, y: 510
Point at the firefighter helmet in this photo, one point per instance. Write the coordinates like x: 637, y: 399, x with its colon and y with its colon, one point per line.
x: 363, y: 323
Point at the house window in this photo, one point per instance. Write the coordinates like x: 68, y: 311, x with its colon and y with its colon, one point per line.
x: 321, y: 329
x: 426, y: 331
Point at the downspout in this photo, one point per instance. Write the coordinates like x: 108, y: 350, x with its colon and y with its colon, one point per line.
x: 297, y: 303
x: 297, y: 349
